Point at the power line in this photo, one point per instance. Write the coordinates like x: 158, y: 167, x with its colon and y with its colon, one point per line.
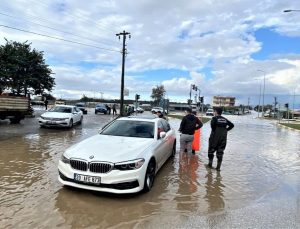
x: 57, y: 38
x: 7, y: 15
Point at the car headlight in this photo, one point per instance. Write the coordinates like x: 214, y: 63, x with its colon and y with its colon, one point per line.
x: 130, y: 165
x: 64, y: 159
x: 42, y: 117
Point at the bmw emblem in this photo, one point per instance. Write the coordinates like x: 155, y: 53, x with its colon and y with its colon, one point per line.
x: 92, y: 156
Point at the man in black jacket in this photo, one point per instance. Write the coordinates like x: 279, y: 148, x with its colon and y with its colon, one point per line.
x: 187, y: 128
x: 218, y: 137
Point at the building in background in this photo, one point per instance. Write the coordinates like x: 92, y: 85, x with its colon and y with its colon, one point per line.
x: 223, y: 101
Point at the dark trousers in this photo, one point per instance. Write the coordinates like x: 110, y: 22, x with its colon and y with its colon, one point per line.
x: 217, y: 143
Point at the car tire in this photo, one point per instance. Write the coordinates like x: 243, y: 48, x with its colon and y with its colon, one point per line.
x: 173, y: 153
x: 80, y: 121
x: 71, y: 123
x: 149, y: 176
x: 96, y: 112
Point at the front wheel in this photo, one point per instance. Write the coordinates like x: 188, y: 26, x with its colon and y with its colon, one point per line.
x: 71, y: 123
x: 80, y: 121
x: 149, y: 177
x: 173, y: 153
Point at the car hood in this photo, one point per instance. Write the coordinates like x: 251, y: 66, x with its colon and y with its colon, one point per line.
x: 56, y: 115
x: 109, y: 148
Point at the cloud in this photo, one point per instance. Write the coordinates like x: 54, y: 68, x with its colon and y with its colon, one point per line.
x: 165, y: 35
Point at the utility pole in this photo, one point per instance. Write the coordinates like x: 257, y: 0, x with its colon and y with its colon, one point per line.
x: 248, y: 103
x: 124, y: 52
x: 294, y: 104
x: 275, y: 104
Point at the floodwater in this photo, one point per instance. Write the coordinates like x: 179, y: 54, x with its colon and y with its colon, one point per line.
x: 259, y: 185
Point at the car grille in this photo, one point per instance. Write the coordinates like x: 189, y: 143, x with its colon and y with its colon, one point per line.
x: 95, y: 167
x: 54, y: 119
x: 79, y: 165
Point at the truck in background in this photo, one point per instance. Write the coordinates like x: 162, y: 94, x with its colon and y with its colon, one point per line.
x: 14, y: 108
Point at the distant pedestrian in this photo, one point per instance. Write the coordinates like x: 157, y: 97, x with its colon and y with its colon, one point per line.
x: 218, y: 137
x: 46, y: 104
x: 114, y: 109
x: 126, y: 109
x: 187, y: 128
x: 108, y: 109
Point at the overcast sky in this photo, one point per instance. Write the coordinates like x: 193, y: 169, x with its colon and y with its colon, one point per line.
x: 216, y: 44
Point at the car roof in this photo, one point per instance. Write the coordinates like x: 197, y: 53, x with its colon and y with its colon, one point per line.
x: 148, y: 118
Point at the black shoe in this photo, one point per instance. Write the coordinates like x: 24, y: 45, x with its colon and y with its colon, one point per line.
x: 209, y: 165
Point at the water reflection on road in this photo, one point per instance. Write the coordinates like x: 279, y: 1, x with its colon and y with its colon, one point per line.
x: 260, y: 159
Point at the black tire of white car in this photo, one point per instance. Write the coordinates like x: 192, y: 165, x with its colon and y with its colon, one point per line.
x: 71, y: 123
x: 173, y: 150
x: 149, y: 177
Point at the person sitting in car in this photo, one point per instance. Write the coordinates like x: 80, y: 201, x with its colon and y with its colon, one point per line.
x: 160, y: 115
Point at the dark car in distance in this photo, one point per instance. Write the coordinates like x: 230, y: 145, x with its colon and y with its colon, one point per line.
x: 81, y: 106
x: 100, y: 108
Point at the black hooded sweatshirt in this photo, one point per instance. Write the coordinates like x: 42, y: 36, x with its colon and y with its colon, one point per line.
x: 189, y: 124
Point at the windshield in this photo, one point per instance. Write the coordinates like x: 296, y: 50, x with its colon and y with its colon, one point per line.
x: 61, y: 109
x: 128, y: 128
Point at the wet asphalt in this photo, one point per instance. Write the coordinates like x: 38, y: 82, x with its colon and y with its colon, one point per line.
x: 258, y: 187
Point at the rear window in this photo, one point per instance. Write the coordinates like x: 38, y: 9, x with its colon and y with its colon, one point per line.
x: 128, y: 128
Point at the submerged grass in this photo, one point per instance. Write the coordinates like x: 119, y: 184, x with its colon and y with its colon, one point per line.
x: 294, y: 126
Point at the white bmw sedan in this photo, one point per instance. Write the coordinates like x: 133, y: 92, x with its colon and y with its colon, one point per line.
x: 62, y: 116
x: 123, y: 158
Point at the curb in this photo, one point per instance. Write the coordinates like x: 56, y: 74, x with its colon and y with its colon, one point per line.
x: 287, y: 127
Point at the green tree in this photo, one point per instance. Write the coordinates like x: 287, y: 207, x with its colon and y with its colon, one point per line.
x: 23, y: 69
x: 158, y: 93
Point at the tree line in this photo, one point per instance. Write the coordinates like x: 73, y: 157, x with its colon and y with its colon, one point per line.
x: 23, y: 70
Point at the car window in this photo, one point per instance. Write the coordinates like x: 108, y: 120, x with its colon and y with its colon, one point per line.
x: 128, y: 128
x: 61, y: 109
x: 77, y: 109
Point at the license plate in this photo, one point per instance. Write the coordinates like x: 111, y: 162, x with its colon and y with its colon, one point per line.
x: 51, y: 122
x: 87, y: 179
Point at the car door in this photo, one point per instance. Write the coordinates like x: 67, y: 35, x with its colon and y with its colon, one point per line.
x: 77, y: 114
x: 168, y: 140
x: 161, y: 149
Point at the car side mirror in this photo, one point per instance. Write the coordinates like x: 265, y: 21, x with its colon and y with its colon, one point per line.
x: 162, y: 134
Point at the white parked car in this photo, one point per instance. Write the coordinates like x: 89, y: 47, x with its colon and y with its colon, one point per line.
x: 123, y: 158
x: 139, y: 110
x: 62, y: 116
x: 155, y: 109
x: 209, y: 112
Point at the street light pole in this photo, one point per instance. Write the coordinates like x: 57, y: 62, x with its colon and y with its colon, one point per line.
x: 263, y: 95
x: 259, y: 100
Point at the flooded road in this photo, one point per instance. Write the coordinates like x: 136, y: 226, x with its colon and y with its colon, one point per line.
x: 259, y: 185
